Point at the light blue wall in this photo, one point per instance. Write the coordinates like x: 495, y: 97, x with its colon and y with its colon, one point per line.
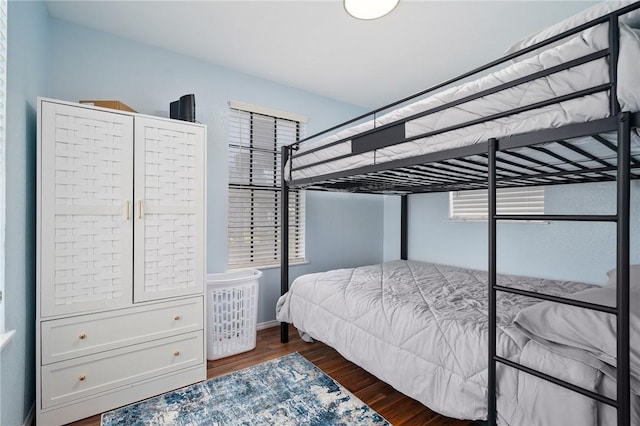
x: 391, y: 232
x: 87, y: 64
x: 28, y: 72
x: 561, y: 250
x: 343, y: 230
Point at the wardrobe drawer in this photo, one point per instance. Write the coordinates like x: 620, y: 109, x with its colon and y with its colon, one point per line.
x: 89, y: 334
x: 81, y: 377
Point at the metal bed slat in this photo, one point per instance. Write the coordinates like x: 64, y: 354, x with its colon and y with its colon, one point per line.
x: 395, y: 180
x: 592, y: 157
x: 435, y: 179
x: 459, y: 168
x: 479, y: 184
x: 611, y: 146
x: 451, y: 174
x: 584, y: 153
x: 444, y: 175
x: 546, y: 153
x: 473, y: 164
x: 559, y: 157
x: 570, y: 131
x: 522, y: 166
x: 574, y: 176
x: 567, y: 175
x: 482, y: 167
x: 535, y: 161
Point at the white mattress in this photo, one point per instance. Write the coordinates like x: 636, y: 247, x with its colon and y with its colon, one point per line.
x: 565, y: 82
x: 422, y: 328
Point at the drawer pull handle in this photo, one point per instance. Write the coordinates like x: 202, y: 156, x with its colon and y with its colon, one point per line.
x: 82, y: 336
x: 176, y: 353
x: 82, y: 378
x: 176, y: 318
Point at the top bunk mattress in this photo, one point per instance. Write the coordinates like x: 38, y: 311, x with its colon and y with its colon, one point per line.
x: 317, y: 157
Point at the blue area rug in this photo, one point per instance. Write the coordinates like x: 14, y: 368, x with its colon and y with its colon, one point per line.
x: 286, y: 391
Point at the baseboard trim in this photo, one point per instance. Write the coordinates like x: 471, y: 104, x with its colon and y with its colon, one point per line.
x: 268, y: 324
x: 30, y: 420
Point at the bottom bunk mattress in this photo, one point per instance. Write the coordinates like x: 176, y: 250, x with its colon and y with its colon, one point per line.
x: 422, y: 328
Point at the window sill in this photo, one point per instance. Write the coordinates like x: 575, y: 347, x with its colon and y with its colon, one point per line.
x: 302, y: 262
x: 5, y: 338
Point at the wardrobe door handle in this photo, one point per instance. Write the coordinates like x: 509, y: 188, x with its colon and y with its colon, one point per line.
x: 127, y: 210
x: 139, y: 209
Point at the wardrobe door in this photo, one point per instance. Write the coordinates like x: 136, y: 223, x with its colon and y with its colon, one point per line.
x: 85, y: 200
x: 169, y: 209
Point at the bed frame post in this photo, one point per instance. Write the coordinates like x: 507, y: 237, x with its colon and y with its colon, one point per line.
x: 623, y: 392
x: 492, y: 225
x: 284, y: 238
x: 404, y: 227
x: 622, y: 267
x: 614, y: 52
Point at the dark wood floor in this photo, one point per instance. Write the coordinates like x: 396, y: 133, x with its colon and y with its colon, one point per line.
x: 391, y: 404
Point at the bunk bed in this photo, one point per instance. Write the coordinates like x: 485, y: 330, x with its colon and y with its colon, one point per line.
x: 563, y: 107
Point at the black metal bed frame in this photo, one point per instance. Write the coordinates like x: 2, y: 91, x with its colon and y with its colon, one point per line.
x: 516, y: 160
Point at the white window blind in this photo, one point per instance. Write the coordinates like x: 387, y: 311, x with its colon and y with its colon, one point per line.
x: 255, y: 139
x: 474, y: 205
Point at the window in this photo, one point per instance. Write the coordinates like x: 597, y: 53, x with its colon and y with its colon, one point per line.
x: 255, y: 137
x: 474, y: 205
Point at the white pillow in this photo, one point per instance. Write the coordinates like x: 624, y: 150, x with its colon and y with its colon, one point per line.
x: 631, y: 19
x: 586, y: 329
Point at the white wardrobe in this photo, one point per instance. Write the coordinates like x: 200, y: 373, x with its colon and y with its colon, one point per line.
x: 120, y: 258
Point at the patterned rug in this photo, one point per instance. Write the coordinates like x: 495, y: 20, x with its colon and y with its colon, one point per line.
x: 286, y: 391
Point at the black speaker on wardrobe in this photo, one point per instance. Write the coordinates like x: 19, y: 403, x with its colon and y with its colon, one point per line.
x: 174, y: 110
x: 187, y: 110
x: 183, y: 109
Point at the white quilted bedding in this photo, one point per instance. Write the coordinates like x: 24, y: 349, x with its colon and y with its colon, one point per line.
x: 423, y: 329
x: 565, y: 82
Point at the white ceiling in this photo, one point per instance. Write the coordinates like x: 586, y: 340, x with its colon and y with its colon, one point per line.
x: 317, y: 47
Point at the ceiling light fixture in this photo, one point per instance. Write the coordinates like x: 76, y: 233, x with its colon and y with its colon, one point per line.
x: 369, y: 9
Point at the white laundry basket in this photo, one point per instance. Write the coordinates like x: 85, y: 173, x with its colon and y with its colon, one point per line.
x: 232, y: 310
